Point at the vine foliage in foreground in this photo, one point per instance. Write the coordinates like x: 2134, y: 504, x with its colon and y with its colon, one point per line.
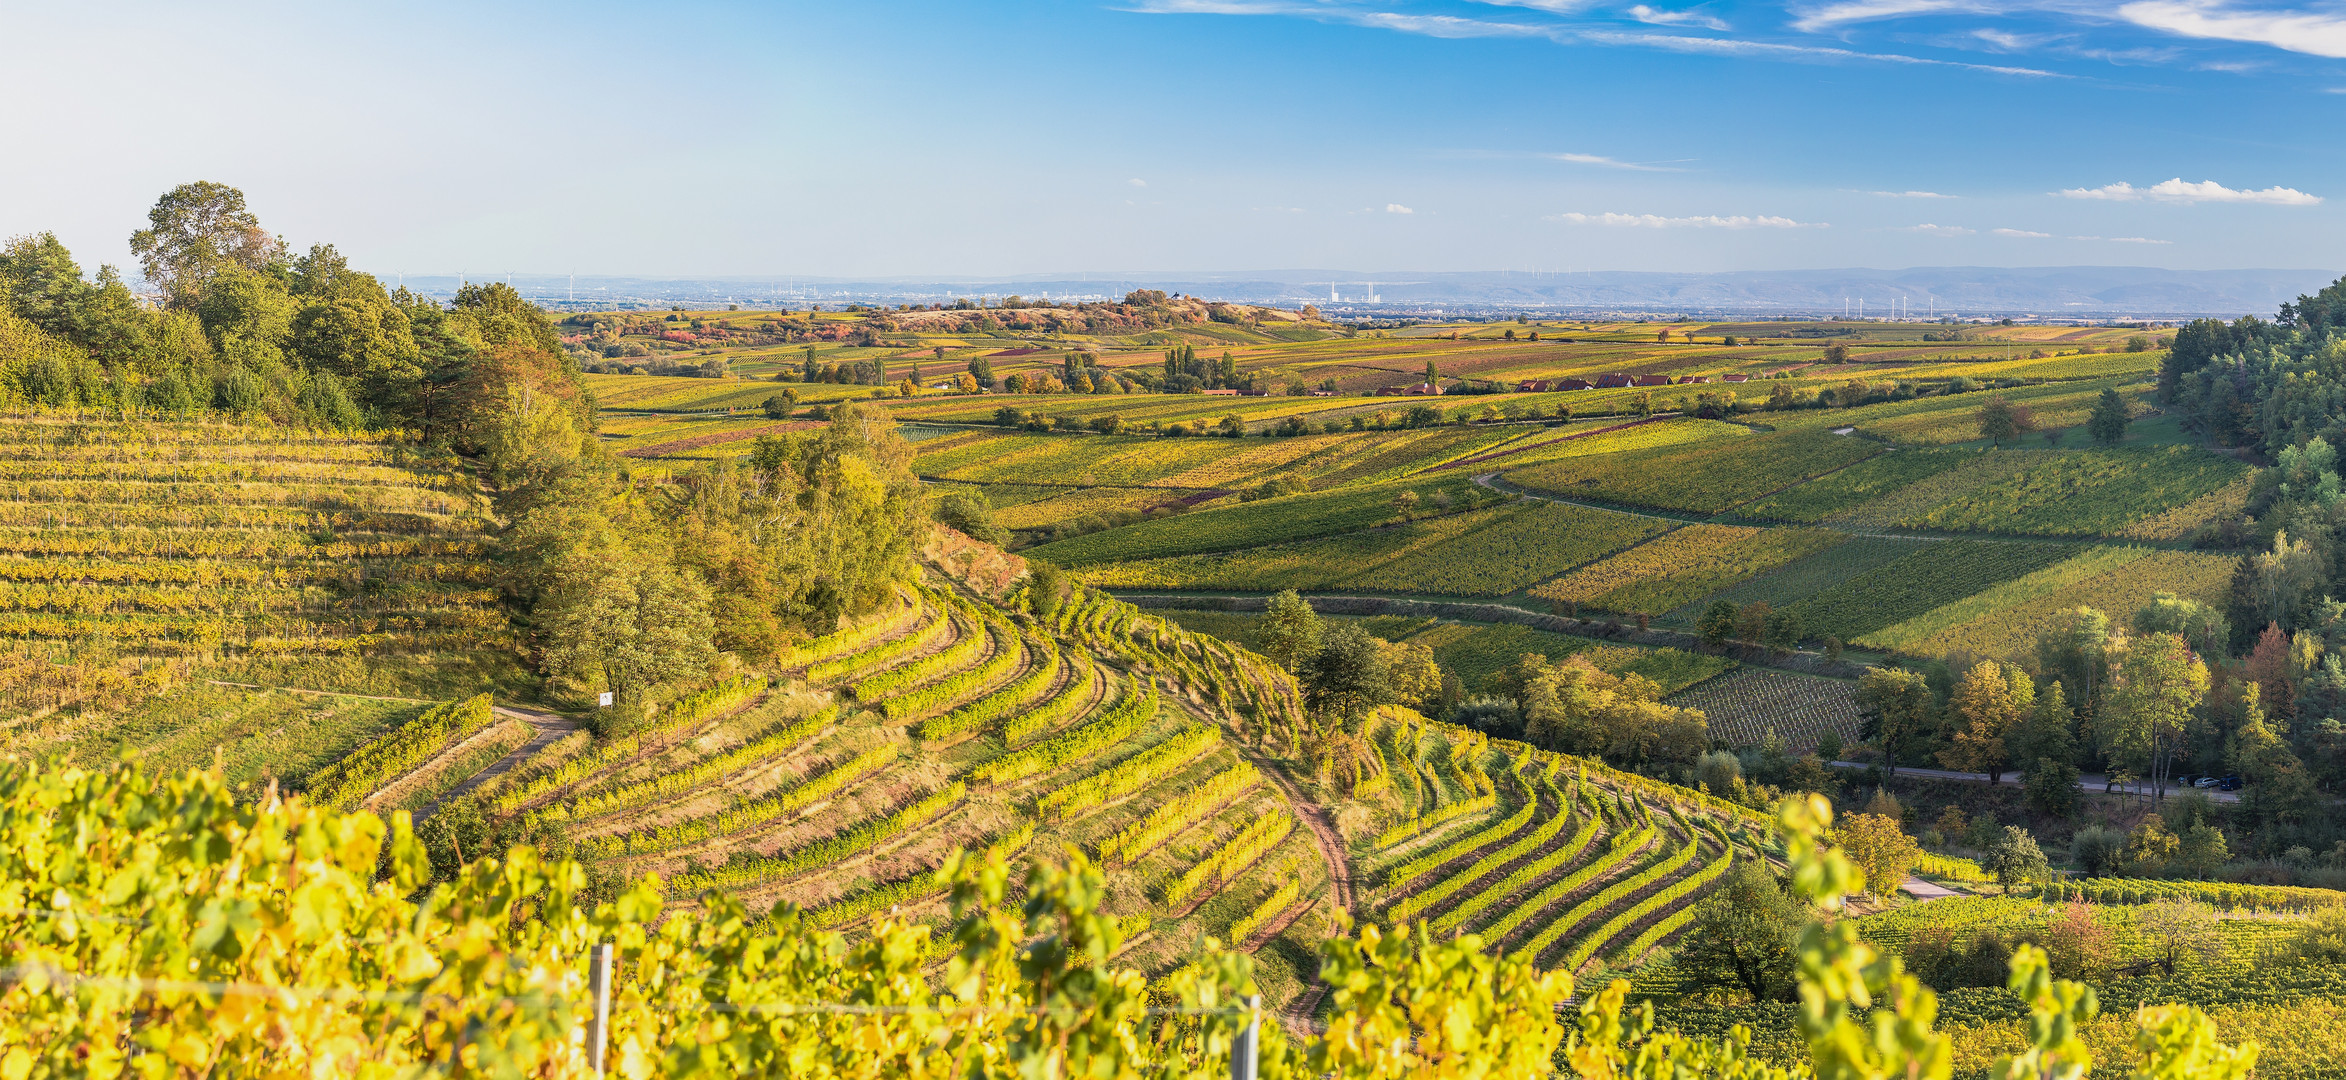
x: 164, y: 929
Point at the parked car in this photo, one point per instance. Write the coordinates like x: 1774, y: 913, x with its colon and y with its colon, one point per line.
x: 2208, y: 782
x: 2229, y: 783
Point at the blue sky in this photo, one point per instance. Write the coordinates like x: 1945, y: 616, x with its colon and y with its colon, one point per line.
x: 914, y: 138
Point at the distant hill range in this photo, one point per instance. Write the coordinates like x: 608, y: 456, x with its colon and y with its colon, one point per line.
x: 2049, y: 292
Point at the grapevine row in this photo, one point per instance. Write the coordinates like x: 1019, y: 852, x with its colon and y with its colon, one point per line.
x: 1279, y: 900
x: 971, y: 640
x: 1005, y: 658
x: 686, y: 711
x: 1122, y: 721
x: 1625, y: 846
x: 342, y: 784
x: 1173, y: 815
x: 882, y: 654
x: 1670, y: 895
x: 1063, y: 705
x: 1588, y: 946
x: 1408, y: 873
x: 1409, y: 907
x: 1253, y: 841
x: 1126, y: 777
x: 748, y: 814
x: 846, y: 845
x: 845, y: 641
x: 1562, y: 856
x: 1425, y: 823
x: 771, y: 745
x: 1605, y: 899
x: 977, y: 714
x: 919, y: 886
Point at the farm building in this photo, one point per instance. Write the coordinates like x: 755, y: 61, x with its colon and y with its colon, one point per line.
x: 1219, y: 393
x: 1608, y: 382
x: 1573, y: 384
x: 1650, y: 380
x: 1534, y: 386
x: 1686, y: 379
x: 1413, y: 389
x: 1736, y: 377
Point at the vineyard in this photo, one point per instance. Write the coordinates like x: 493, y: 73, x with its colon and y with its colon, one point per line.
x: 1704, y: 478
x: 1748, y: 705
x: 1559, y: 861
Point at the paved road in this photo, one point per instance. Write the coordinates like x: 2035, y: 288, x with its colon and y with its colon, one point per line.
x: 1923, y: 890
x: 2086, y: 782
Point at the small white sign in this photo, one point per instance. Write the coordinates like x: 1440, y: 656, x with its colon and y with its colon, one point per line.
x: 604, y: 699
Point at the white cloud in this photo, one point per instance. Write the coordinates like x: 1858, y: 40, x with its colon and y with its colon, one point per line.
x: 2137, y: 240
x: 1657, y: 17
x: 1137, y: 182
x: 1707, y: 221
x: 2008, y: 42
x: 2314, y: 32
x: 1397, y: 208
x: 1703, y: 46
x: 2179, y: 190
x: 2022, y: 234
x: 1850, y: 11
x: 1907, y: 194
x: 1939, y: 230
x: 1610, y: 163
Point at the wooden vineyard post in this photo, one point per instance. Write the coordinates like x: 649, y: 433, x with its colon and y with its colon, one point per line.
x: 599, y: 1027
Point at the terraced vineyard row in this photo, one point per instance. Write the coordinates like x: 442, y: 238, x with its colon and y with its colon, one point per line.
x: 264, y: 552
x: 1574, y: 862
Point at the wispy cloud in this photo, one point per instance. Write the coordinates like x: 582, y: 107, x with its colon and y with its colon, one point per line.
x: 1811, y: 53
x: 1397, y: 208
x: 2132, y: 240
x: 2178, y: 190
x: 1137, y: 182
x: 1907, y: 194
x: 2023, y: 234
x: 2319, y: 33
x: 1828, y: 16
x: 1610, y: 163
x: 1939, y: 230
x: 1706, y: 221
x: 1455, y: 27
x: 1658, y: 17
